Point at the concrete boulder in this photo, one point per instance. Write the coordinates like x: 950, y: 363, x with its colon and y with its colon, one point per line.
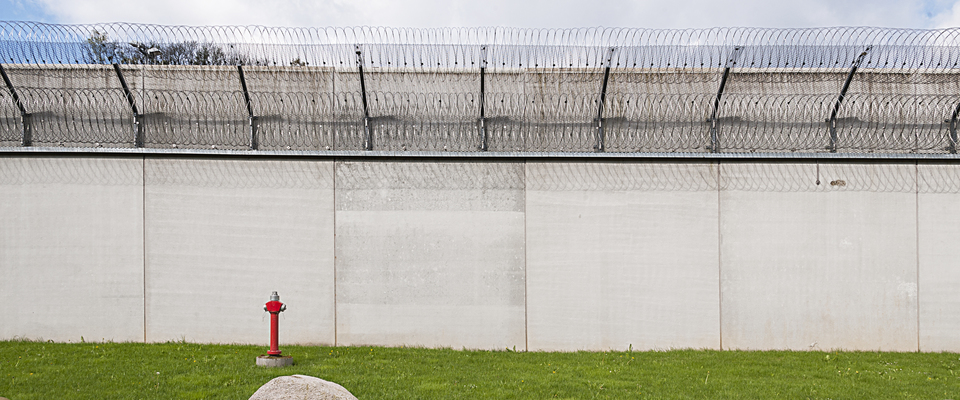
x: 301, y: 387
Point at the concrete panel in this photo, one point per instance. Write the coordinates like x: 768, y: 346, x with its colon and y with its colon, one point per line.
x: 828, y: 266
x: 622, y: 255
x: 222, y: 234
x: 430, y: 254
x: 71, y: 248
x: 939, y: 257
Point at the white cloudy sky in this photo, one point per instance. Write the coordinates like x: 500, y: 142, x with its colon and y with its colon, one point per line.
x: 518, y: 13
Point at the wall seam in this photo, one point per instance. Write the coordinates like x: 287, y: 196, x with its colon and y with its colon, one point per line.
x: 719, y: 262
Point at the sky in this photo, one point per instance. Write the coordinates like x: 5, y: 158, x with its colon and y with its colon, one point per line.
x: 510, y: 13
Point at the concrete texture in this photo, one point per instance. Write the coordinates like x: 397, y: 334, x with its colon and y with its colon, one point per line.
x: 274, y: 361
x: 622, y: 255
x: 430, y: 254
x: 829, y: 266
x: 939, y: 256
x: 223, y: 234
x: 482, y: 254
x: 71, y: 248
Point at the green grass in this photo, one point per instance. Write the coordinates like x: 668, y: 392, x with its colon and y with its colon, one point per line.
x: 44, y: 370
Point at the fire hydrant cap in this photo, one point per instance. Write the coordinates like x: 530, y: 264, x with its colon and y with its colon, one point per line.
x: 274, y: 305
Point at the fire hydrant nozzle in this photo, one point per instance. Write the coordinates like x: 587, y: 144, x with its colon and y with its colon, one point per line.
x: 274, y: 307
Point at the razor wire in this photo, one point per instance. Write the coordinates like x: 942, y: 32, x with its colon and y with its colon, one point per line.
x: 848, y: 90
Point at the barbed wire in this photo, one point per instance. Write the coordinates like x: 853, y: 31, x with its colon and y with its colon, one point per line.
x: 480, y: 89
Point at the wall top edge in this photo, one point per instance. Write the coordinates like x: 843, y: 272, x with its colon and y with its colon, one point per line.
x: 474, y: 155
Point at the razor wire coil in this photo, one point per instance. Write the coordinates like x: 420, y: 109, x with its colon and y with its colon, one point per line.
x: 857, y: 90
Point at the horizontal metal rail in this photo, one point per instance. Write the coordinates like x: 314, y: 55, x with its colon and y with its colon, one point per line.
x: 20, y: 151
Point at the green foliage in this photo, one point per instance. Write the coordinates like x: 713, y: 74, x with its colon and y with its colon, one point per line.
x: 41, y: 370
x: 100, y: 49
x: 196, y: 53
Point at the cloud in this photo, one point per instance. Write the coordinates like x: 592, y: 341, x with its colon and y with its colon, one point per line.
x: 520, y: 13
x: 22, y: 10
x: 949, y: 18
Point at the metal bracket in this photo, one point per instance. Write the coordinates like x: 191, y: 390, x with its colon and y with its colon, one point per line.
x: 137, y: 117
x: 483, y: 118
x: 254, y: 142
x: 953, y: 130
x: 843, y: 92
x: 26, y: 138
x: 367, y: 134
x: 607, y: 62
x: 729, y: 64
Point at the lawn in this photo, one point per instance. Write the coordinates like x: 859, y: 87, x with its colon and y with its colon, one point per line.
x: 176, y: 370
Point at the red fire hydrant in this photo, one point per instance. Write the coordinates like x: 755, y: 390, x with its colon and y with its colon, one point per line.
x: 274, y: 307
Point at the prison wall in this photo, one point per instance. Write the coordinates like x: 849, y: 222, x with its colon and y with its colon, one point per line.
x: 532, y: 254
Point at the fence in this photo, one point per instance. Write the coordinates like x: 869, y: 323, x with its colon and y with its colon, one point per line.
x: 493, y: 90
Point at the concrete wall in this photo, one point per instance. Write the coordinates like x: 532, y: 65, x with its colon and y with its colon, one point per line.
x: 807, y: 266
x: 622, y: 255
x: 430, y: 254
x: 545, y: 255
x: 71, y: 248
x: 938, y: 234
x: 221, y: 235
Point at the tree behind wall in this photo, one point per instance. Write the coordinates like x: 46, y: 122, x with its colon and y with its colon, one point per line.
x: 101, y: 50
